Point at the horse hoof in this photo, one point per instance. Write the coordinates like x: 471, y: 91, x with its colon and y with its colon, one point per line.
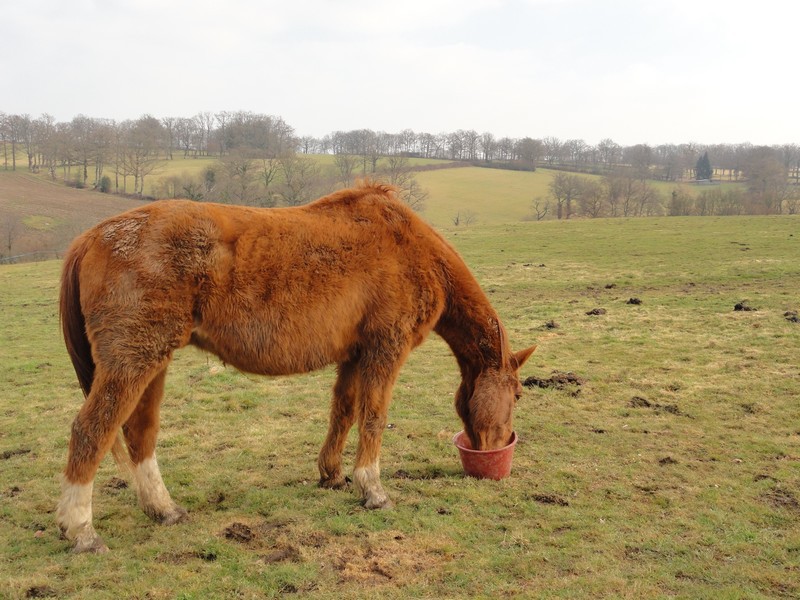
x: 177, y: 515
x: 380, y: 503
x: 90, y: 545
x: 335, y: 483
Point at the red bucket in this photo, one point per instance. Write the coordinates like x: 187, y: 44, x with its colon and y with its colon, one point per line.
x: 485, y: 464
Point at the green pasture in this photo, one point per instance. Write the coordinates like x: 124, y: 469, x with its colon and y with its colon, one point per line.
x: 670, y: 469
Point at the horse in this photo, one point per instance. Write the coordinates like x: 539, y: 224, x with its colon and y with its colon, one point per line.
x: 355, y: 279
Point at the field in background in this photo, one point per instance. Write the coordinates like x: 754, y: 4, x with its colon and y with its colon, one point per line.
x: 470, y: 195
x: 670, y: 466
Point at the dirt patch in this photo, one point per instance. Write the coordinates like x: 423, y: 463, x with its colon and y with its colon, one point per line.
x: 116, y: 483
x: 596, y: 312
x: 673, y: 409
x: 385, y: 559
x: 781, y: 498
x: 549, y: 499
x: 238, y: 532
x: 558, y: 380
x: 11, y: 453
x: 744, y: 306
x: 667, y: 461
x: 41, y: 591
x: 180, y: 558
x: 636, y: 301
x: 791, y: 316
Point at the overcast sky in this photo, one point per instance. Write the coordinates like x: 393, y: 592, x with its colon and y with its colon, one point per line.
x: 636, y: 71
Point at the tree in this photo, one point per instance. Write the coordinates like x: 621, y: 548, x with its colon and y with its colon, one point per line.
x: 540, y: 207
x: 529, y: 151
x: 702, y: 170
x: 300, y: 179
x: 239, y: 174
x: 565, y: 188
x: 9, y: 229
x: 399, y: 173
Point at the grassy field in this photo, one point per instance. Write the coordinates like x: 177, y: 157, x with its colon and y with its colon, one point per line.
x: 670, y: 468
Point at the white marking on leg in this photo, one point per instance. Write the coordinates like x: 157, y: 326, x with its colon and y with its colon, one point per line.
x: 368, y: 483
x: 75, y: 507
x: 74, y: 516
x: 153, y: 495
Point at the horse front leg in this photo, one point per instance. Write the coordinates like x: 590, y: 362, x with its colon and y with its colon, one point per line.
x: 343, y: 414
x: 374, y: 406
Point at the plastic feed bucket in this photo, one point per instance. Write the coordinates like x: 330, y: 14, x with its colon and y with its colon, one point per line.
x: 485, y: 464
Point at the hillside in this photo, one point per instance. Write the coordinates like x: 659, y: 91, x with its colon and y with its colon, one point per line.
x: 37, y: 216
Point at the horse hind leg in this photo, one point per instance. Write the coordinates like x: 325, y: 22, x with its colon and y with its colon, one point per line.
x: 342, y: 417
x: 141, y: 431
x: 110, y: 402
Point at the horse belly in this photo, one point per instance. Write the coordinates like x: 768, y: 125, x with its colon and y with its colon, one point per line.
x: 262, y: 344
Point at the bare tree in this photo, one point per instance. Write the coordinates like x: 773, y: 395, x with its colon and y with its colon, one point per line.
x: 239, y: 175
x: 592, y: 198
x: 466, y: 217
x: 565, y: 188
x: 300, y: 179
x: 400, y: 174
x: 540, y: 206
x: 10, y: 227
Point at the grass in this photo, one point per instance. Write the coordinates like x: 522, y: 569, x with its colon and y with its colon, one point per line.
x: 674, y: 470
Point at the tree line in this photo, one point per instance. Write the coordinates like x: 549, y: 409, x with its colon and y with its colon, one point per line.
x: 262, y: 161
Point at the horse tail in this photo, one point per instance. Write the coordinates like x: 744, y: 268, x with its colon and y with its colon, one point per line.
x: 73, y: 326
x: 73, y: 323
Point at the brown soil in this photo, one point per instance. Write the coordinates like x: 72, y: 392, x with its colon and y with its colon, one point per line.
x: 558, y: 380
x: 639, y: 402
x: 743, y: 306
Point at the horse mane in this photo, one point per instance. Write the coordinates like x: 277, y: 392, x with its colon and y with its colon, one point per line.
x: 73, y: 324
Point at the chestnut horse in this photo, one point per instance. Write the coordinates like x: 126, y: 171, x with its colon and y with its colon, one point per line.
x: 355, y: 278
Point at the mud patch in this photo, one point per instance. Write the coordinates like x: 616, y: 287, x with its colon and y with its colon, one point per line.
x: 672, y: 409
x: 781, y: 498
x: 596, y: 312
x: 116, y: 483
x: 11, y: 453
x: 238, y: 532
x: 791, y: 316
x: 180, y: 558
x: 636, y: 301
x: 743, y: 306
x: 41, y: 591
x: 667, y: 461
x: 557, y: 380
x: 549, y: 499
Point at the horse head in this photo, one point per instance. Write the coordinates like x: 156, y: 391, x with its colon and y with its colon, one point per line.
x: 485, y: 400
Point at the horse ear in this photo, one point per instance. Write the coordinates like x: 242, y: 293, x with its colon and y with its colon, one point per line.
x: 523, y: 355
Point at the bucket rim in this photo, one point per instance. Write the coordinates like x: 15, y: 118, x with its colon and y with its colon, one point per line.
x: 461, y: 448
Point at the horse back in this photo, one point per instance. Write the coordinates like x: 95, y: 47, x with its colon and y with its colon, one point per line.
x: 271, y: 291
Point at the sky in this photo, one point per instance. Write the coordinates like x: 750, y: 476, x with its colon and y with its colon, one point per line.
x: 634, y: 71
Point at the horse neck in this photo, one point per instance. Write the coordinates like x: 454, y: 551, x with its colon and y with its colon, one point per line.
x: 469, y: 324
